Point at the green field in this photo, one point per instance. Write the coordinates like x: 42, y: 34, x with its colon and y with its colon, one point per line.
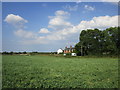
x: 0, y: 71
x: 59, y: 72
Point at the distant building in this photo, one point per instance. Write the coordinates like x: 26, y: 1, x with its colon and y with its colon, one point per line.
x: 69, y: 50
x: 59, y: 51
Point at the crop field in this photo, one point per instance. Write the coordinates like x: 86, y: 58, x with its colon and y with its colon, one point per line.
x: 41, y: 71
x: 0, y: 71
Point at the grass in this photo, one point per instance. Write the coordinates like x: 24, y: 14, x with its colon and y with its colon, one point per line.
x: 59, y: 72
x: 0, y: 71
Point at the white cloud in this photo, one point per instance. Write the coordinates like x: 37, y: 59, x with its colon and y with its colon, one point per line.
x: 11, y: 18
x: 44, y: 30
x: 100, y: 22
x: 38, y: 40
x: 62, y: 34
x: 59, y: 21
x: 55, y: 36
x: 71, y: 8
x: 79, y: 1
x: 24, y: 34
x: 30, y: 38
x: 90, y: 8
x: 15, y: 20
x: 61, y: 13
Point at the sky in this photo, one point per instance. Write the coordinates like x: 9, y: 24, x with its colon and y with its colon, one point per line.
x: 48, y: 26
x: 0, y: 26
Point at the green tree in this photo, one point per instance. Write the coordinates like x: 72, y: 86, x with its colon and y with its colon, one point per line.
x: 90, y: 40
x: 98, y: 42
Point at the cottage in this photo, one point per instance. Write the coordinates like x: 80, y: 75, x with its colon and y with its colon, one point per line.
x: 69, y: 50
x: 59, y: 51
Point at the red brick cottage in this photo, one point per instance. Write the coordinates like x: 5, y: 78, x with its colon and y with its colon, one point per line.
x: 69, y: 50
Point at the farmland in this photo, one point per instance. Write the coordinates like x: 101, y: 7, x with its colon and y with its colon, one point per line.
x: 41, y: 71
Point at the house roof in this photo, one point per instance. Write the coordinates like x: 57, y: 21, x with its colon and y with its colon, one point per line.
x: 60, y: 49
x: 69, y: 48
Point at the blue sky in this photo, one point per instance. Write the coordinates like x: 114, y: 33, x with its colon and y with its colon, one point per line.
x: 0, y: 27
x: 48, y: 26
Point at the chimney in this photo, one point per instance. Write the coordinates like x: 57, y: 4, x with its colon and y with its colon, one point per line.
x: 66, y: 47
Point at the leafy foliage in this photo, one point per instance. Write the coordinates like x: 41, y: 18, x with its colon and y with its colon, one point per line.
x: 97, y: 42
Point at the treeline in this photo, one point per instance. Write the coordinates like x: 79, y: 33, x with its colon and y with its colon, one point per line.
x: 11, y: 53
x: 99, y: 42
x: 26, y: 53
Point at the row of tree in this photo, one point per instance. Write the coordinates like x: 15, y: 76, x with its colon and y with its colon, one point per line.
x: 11, y: 53
x: 99, y: 42
x: 29, y: 53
